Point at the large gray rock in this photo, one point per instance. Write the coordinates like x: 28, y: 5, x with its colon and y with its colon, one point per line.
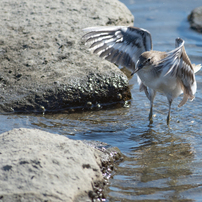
x: 195, y: 19
x: 44, y: 64
x: 40, y: 166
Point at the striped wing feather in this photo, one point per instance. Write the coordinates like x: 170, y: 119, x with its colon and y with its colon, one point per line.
x: 120, y: 45
x: 180, y: 66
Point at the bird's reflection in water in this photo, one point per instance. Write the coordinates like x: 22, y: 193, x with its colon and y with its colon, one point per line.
x: 154, y: 169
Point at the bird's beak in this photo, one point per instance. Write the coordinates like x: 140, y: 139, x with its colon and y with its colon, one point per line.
x: 135, y: 71
x: 138, y: 67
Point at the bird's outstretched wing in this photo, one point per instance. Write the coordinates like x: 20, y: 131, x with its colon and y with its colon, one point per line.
x: 179, y: 65
x: 120, y: 45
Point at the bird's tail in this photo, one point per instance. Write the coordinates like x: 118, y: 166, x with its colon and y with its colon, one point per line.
x: 196, y: 67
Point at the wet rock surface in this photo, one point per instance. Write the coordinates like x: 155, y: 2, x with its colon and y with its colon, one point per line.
x: 45, y: 65
x: 41, y: 166
x: 195, y: 19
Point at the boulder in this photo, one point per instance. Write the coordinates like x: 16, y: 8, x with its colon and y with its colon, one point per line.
x: 195, y: 19
x: 39, y: 166
x: 44, y: 63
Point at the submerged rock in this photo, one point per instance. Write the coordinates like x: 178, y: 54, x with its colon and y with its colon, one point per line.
x: 195, y: 19
x: 39, y: 166
x: 44, y: 64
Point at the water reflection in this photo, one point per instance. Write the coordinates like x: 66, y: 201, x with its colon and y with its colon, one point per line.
x: 154, y: 169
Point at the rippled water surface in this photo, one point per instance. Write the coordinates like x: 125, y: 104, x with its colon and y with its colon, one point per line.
x: 161, y: 163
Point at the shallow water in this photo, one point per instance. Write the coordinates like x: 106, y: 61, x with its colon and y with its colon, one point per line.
x: 161, y: 163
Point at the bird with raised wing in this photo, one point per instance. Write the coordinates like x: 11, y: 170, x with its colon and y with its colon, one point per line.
x: 170, y: 73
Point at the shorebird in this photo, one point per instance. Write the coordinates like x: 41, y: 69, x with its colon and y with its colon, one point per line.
x: 170, y: 73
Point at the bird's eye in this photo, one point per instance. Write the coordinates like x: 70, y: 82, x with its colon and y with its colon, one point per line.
x: 148, y: 60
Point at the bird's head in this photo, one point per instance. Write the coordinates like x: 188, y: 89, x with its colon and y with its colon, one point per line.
x: 145, y: 60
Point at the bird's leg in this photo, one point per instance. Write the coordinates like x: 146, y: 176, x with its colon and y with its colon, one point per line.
x: 151, y: 94
x: 168, y: 117
x: 151, y: 111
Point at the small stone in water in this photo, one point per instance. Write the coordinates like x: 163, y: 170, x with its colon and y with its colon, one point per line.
x: 119, y: 96
x: 89, y: 104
